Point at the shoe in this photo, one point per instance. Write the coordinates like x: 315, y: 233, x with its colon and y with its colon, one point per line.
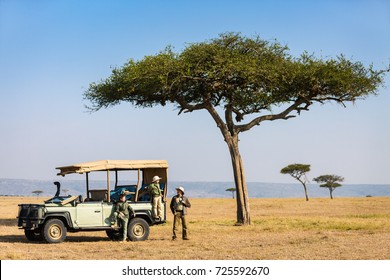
x: 173, y: 238
x: 186, y: 238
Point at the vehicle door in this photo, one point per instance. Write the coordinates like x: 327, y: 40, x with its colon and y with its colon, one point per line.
x: 108, y: 211
x: 90, y: 214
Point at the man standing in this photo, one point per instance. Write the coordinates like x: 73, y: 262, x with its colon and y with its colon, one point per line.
x: 155, y: 193
x: 122, y: 211
x: 179, y: 204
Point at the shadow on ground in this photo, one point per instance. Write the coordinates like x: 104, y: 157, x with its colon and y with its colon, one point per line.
x: 73, y: 239
x: 9, y: 222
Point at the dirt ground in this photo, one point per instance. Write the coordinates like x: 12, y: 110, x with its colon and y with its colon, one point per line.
x: 282, y: 229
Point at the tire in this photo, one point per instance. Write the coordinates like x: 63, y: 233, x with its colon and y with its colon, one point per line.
x: 33, y: 235
x: 54, y: 231
x: 114, y: 235
x: 138, y: 230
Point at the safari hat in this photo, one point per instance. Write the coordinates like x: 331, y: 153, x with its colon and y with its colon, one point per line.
x: 180, y: 189
x: 156, y: 178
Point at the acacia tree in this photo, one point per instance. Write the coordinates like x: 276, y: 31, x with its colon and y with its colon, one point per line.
x: 298, y: 171
x: 330, y: 181
x: 241, y: 82
x: 37, y: 192
x: 232, y: 190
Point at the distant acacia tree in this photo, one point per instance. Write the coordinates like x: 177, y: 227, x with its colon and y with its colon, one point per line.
x: 37, y: 192
x: 298, y: 171
x: 65, y: 191
x: 241, y: 82
x: 231, y: 190
x: 329, y: 181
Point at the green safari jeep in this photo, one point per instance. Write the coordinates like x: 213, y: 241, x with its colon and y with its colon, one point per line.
x: 52, y: 220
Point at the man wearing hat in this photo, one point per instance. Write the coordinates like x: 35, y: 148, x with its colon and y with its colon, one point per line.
x: 179, y: 204
x: 155, y: 193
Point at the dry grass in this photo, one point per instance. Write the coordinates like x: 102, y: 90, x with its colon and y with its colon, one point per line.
x: 343, y: 228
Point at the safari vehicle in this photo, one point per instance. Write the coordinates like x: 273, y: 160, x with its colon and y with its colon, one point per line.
x: 52, y: 220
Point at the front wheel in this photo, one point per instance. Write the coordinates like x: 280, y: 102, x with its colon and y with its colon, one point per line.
x: 138, y: 230
x: 54, y: 231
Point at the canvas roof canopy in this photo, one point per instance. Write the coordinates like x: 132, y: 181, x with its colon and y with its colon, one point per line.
x: 103, y: 165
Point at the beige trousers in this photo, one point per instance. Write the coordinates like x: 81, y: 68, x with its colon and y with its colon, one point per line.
x: 157, y: 207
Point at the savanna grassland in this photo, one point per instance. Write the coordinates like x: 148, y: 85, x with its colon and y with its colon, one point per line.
x: 282, y: 229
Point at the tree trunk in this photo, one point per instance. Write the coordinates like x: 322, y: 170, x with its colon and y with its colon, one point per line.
x: 331, y: 193
x: 243, y: 216
x: 230, y: 135
x: 307, y: 196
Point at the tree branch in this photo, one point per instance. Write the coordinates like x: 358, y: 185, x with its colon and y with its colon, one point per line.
x: 186, y: 107
x: 229, y: 118
x: 218, y: 120
x: 297, y: 106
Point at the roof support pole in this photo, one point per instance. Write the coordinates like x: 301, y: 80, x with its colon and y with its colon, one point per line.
x: 108, y: 185
x: 87, y: 184
x: 138, y: 185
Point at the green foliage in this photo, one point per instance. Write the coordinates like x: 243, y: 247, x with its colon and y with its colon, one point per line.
x: 329, y: 181
x: 243, y: 75
x: 296, y: 170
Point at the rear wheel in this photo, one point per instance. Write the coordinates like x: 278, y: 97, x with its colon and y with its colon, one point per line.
x: 54, y: 231
x: 138, y: 230
x: 114, y: 235
x: 33, y: 235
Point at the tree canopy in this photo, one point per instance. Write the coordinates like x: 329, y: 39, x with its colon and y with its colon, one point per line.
x: 240, y: 82
x: 242, y: 75
x: 37, y: 192
x: 298, y: 171
x: 232, y: 190
x: 329, y: 181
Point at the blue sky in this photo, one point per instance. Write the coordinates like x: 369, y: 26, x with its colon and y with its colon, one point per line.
x: 50, y: 51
